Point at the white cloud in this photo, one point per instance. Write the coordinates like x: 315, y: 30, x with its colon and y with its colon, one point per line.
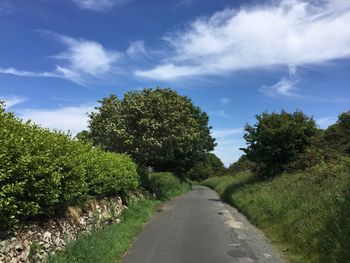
x: 136, y: 50
x: 286, y: 32
x: 224, y: 133
x: 82, y: 61
x: 12, y: 101
x: 326, y: 121
x: 285, y: 87
x: 98, y: 5
x: 225, y: 100
x: 23, y: 73
x: 72, y: 118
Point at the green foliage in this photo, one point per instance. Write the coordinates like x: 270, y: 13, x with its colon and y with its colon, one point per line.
x: 306, y: 214
x: 41, y: 171
x: 243, y: 165
x: 165, y: 185
x: 158, y: 128
x: 337, y: 136
x: 84, y: 136
x: 210, y: 165
x: 278, y: 139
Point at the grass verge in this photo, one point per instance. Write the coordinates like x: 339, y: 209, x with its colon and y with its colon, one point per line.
x: 109, y: 244
x: 306, y: 215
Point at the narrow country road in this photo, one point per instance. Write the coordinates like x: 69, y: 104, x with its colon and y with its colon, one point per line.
x: 198, y: 227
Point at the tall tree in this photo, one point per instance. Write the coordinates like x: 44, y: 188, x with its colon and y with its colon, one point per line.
x: 337, y: 136
x: 277, y: 139
x: 157, y: 127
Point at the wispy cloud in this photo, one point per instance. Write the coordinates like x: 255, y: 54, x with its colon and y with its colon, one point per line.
x: 184, y: 3
x: 6, y: 8
x: 73, y: 119
x: 224, y: 133
x: 225, y: 100
x: 136, y: 50
x: 23, y: 73
x: 11, y: 101
x: 326, y: 121
x: 99, y: 5
x: 218, y: 113
x: 285, y: 87
x: 287, y: 32
x: 81, y: 62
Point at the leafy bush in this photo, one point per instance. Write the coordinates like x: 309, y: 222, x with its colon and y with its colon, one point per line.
x: 41, y: 171
x: 163, y: 185
x: 116, y: 173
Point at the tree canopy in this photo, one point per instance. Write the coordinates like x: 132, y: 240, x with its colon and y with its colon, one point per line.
x: 209, y: 166
x: 277, y: 139
x: 157, y: 127
x: 337, y: 136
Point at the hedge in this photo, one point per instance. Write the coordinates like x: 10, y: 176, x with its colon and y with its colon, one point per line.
x: 42, y: 171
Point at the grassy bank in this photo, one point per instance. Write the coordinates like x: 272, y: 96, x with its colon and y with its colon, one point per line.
x: 307, y: 215
x: 110, y: 244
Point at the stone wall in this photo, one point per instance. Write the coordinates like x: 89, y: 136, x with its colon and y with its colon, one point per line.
x: 32, y: 242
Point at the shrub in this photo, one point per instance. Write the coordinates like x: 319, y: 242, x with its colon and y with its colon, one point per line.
x: 42, y: 171
x: 163, y: 184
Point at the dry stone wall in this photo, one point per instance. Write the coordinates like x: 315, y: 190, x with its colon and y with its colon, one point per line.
x: 33, y: 242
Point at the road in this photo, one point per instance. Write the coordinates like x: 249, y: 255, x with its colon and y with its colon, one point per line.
x: 198, y: 227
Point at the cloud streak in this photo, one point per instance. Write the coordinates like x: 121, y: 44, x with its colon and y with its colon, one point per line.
x: 284, y: 87
x: 224, y: 133
x: 81, y: 62
x: 98, y: 5
x: 225, y: 100
x: 12, y: 101
x: 291, y: 32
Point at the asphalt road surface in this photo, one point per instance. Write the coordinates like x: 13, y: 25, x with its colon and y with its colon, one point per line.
x: 198, y: 227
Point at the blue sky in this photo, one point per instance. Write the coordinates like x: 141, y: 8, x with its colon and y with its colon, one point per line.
x: 234, y: 59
